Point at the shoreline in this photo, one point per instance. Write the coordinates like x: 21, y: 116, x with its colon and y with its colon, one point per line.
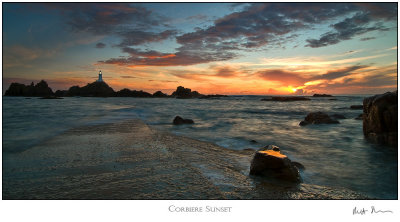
x: 131, y: 160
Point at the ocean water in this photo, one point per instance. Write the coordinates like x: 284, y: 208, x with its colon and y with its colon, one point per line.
x: 334, y: 155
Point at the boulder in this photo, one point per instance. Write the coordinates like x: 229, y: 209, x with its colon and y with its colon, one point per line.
x: 179, y: 120
x: 270, y: 162
x: 318, y: 118
x: 380, y: 118
x: 286, y: 98
x: 356, y: 107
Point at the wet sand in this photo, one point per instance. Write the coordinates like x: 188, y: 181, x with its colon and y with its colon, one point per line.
x: 130, y: 160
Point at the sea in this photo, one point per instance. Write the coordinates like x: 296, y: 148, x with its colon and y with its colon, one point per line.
x: 334, y: 155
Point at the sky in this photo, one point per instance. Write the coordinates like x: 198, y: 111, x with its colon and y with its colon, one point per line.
x: 213, y: 48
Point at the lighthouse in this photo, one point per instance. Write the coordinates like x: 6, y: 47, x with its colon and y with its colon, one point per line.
x: 100, y: 77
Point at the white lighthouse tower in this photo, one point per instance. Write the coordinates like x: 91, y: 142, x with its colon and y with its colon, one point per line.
x: 100, y: 77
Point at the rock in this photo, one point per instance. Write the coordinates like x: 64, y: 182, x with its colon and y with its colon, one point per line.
x: 95, y: 89
x: 286, y: 98
x: 322, y: 95
x: 185, y: 93
x: 380, y: 118
x: 132, y: 93
x: 51, y: 97
x: 332, y: 99
x: 318, y: 118
x: 356, y: 107
x: 160, y: 94
x: 179, y: 120
x: 253, y: 141
x: 359, y: 117
x: 338, y: 116
x: 272, y: 163
x: 40, y: 89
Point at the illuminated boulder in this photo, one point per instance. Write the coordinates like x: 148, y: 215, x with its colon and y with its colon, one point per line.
x: 380, y: 118
x: 270, y: 162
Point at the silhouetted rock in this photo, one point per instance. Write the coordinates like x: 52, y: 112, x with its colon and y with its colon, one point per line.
x: 61, y: 93
x: 185, y: 93
x: 338, y: 116
x: 253, y: 141
x: 359, y: 117
x: 380, y: 118
x: 159, y: 94
x: 322, y: 95
x: 132, y: 93
x: 333, y: 99
x: 179, y: 120
x: 318, y: 118
x: 270, y: 162
x: 51, y: 97
x: 40, y: 89
x: 212, y: 96
x: 286, y: 98
x: 356, y: 107
x: 96, y: 89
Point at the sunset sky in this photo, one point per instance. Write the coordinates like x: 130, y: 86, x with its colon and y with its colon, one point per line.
x: 226, y: 48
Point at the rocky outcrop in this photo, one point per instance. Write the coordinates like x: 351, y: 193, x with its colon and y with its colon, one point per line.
x: 318, y: 118
x: 380, y: 118
x: 40, y: 89
x: 185, y: 93
x: 270, y: 162
x: 132, y: 93
x: 322, y: 95
x: 160, y: 94
x: 285, y: 98
x: 95, y: 89
x: 179, y: 120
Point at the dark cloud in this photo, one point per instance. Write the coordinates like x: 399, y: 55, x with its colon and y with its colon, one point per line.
x: 339, y: 73
x: 265, y: 24
x: 180, y: 58
x: 346, y: 29
x: 125, y: 20
x: 128, y: 77
x: 100, y: 45
x: 256, y: 25
x: 260, y: 24
x: 105, y: 18
x: 138, y: 37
